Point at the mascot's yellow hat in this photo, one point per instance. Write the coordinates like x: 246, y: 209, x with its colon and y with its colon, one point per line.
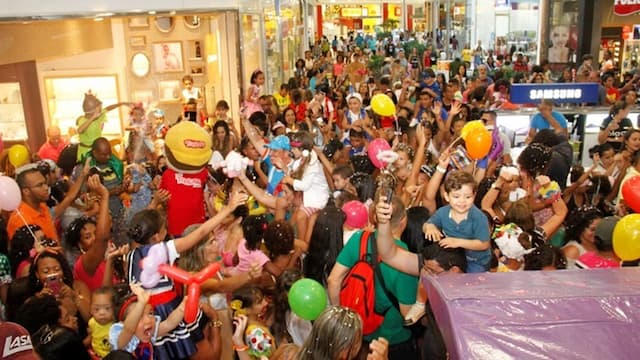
x: 187, y: 146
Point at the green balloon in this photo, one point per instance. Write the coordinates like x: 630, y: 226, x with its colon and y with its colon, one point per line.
x: 307, y: 298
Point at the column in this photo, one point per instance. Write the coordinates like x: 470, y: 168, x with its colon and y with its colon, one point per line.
x: 543, y: 31
x: 319, y: 21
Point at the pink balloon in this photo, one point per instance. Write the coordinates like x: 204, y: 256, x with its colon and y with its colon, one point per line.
x: 357, y: 214
x: 10, y: 195
x: 374, y: 148
x: 149, y: 276
x: 149, y: 279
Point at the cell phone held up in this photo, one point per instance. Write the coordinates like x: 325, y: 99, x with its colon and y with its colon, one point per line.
x: 388, y: 193
x: 54, y: 284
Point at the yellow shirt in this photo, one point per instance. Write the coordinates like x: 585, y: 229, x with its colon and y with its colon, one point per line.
x: 282, y: 100
x: 466, y: 55
x: 100, y: 337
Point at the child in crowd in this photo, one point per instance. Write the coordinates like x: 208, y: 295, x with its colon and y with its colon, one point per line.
x: 191, y: 92
x: 461, y: 224
x: 139, y: 124
x: 249, y: 252
x: 250, y: 104
x: 514, y: 244
x: 138, y: 327
x: 307, y: 176
x: 252, y: 302
x: 457, y: 225
x: 102, y: 317
x: 341, y: 176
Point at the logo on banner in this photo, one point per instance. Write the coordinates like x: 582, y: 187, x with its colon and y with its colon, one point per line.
x: 626, y: 7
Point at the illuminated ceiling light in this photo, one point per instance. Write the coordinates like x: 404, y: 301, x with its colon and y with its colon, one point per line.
x: 98, y: 18
x: 152, y: 12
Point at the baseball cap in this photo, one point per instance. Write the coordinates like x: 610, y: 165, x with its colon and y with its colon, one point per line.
x: 280, y: 142
x: 604, y: 230
x: 15, y: 342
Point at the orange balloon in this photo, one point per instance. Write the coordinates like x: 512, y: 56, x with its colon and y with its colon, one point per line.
x: 478, y: 143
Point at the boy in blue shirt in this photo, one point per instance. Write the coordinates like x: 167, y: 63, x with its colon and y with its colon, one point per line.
x: 461, y: 224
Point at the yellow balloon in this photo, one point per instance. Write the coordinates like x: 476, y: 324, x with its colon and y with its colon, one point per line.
x: 18, y: 155
x: 626, y: 237
x: 470, y: 127
x: 383, y: 105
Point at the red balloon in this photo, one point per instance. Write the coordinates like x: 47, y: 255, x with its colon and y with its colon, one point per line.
x: 631, y: 193
x: 192, y: 305
x: 478, y: 144
x: 176, y: 274
x: 207, y: 273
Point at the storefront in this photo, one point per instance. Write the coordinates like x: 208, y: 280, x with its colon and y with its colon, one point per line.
x: 506, y: 25
x: 617, y: 26
x: 120, y: 56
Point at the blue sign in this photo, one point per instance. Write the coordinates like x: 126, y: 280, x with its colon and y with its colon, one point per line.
x: 560, y: 93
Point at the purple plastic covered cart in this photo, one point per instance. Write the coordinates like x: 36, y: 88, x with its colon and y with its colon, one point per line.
x: 583, y: 314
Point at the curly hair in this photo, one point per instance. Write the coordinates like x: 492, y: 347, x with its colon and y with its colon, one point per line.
x: 578, y: 220
x: 534, y: 159
x: 278, y: 238
x: 37, y: 311
x: 253, y: 228
x: 73, y: 234
x: 543, y: 256
x: 21, y: 244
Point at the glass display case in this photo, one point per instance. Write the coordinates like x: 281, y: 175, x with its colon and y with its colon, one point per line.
x: 65, y: 96
x: 12, y: 118
x: 630, y: 55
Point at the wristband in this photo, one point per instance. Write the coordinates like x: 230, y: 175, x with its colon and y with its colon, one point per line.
x: 240, y: 347
x: 216, y: 324
x: 441, y: 169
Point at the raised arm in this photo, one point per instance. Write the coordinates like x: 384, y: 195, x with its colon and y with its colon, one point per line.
x: 434, y: 183
x: 131, y: 321
x: 559, y: 213
x: 189, y: 241
x: 254, y: 136
x: 393, y: 255
x: 257, y: 192
x: 73, y: 192
x: 95, y: 254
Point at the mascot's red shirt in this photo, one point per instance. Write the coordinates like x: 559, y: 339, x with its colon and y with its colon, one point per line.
x: 186, y: 205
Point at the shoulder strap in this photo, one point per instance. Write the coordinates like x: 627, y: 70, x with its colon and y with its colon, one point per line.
x: 376, y: 267
x: 364, y: 240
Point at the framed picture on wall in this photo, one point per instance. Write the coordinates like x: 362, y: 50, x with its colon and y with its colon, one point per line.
x: 137, y: 42
x: 197, y: 69
x: 195, y: 50
x: 138, y: 22
x: 169, y: 90
x: 167, y: 57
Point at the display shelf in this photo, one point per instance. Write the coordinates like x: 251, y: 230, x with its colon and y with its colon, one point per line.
x: 12, y: 118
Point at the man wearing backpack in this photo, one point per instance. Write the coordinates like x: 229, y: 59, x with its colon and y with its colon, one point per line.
x: 394, y: 293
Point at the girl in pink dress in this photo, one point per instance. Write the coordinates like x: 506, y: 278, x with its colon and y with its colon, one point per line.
x: 251, y: 104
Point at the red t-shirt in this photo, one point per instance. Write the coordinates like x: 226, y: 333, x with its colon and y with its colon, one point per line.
x: 186, y: 204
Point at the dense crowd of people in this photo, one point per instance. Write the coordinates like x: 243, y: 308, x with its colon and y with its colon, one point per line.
x: 291, y: 195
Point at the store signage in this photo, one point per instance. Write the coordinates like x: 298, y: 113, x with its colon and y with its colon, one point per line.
x: 351, y: 12
x: 626, y: 7
x: 559, y: 93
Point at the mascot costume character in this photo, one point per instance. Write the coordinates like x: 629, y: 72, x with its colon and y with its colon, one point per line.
x: 188, y: 150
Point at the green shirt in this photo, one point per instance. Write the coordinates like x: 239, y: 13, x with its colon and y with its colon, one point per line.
x: 402, y: 285
x: 93, y: 132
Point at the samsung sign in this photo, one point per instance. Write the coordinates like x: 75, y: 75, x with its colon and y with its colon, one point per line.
x: 559, y: 93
